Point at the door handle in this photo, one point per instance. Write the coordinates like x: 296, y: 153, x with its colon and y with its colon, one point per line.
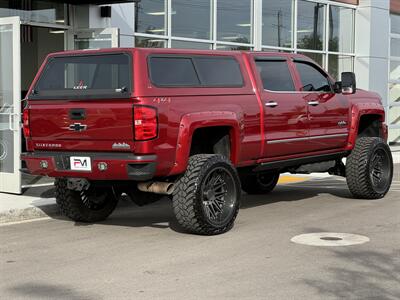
x: 313, y: 103
x: 271, y: 104
x: 12, y: 120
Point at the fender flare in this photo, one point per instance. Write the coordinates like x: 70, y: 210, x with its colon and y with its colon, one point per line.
x: 193, y: 121
x: 357, y: 111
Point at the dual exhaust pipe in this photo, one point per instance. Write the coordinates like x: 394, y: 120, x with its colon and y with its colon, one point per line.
x: 162, y: 188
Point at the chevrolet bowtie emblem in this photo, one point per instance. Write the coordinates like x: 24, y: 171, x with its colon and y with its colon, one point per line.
x: 77, y: 127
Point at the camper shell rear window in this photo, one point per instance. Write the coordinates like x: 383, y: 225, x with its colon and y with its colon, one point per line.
x: 195, y: 71
x: 107, y: 75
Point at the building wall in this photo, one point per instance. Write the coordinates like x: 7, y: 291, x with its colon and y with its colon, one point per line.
x: 324, y: 31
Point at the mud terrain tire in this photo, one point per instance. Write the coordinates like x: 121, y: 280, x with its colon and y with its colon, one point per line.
x: 369, y: 168
x: 93, y: 205
x: 206, y: 197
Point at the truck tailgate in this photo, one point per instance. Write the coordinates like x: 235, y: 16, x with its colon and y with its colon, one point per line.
x: 73, y: 123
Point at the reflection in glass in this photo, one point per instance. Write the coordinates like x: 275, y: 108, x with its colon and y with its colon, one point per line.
x: 234, y: 21
x: 341, y: 26
x: 34, y: 11
x: 394, y: 115
x: 144, y: 42
x: 6, y: 99
x: 277, y: 23
x: 310, y: 28
x: 151, y: 17
x: 394, y: 137
x: 394, y: 92
x: 191, y: 18
x: 232, y: 48
x: 274, y: 50
x: 395, y: 23
x: 395, y: 47
x: 394, y: 70
x: 317, y: 57
x: 190, y: 45
x: 339, y: 64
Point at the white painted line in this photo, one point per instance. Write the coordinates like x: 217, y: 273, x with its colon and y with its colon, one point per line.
x: 25, y: 221
x: 37, y: 185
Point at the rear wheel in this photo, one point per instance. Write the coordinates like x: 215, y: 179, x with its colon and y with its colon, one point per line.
x: 206, y: 198
x: 92, y: 205
x: 369, y: 168
x: 259, y: 183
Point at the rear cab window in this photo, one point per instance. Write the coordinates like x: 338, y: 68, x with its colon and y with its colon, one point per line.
x: 195, y: 71
x: 106, y: 75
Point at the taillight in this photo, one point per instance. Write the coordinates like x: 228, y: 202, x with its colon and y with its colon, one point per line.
x: 25, y: 122
x: 145, y: 122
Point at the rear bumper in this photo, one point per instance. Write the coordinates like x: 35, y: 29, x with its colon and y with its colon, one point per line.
x: 120, y: 166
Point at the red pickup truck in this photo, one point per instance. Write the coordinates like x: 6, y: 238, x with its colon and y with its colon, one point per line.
x: 199, y: 126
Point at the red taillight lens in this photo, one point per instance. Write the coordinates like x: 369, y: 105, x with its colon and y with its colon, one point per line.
x: 25, y: 122
x: 145, y: 122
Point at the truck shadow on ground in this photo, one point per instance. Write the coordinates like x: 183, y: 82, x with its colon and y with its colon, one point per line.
x: 361, y: 274
x: 40, y: 290
x: 160, y: 214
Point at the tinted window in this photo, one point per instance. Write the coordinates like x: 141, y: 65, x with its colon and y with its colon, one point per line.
x: 219, y: 71
x: 173, y: 71
x: 195, y: 71
x: 92, y: 75
x: 312, y: 78
x: 275, y: 75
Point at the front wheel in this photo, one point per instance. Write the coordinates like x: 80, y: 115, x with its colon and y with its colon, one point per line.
x: 206, y: 198
x: 92, y: 205
x: 369, y: 168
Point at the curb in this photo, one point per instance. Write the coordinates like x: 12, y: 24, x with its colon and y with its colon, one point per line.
x: 29, y: 213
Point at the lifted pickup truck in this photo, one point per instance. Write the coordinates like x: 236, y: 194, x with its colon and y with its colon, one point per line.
x: 199, y: 126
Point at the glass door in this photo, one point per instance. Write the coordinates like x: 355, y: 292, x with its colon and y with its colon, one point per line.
x: 96, y: 38
x: 10, y: 105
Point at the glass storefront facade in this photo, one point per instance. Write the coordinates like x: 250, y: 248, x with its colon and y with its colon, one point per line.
x: 35, y: 11
x: 394, y: 82
x: 323, y: 31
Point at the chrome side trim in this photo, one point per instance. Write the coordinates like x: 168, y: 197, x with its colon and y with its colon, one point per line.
x: 307, y: 138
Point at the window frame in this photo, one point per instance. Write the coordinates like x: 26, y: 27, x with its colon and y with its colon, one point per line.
x: 193, y: 60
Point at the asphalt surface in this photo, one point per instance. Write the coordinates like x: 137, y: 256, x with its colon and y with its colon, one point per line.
x: 140, y: 253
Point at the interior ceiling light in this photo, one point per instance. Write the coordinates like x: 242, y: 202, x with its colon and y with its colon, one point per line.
x: 156, y: 30
x: 56, y: 31
x: 160, y: 13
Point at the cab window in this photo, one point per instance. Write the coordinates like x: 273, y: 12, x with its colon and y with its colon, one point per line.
x: 312, y: 78
x: 275, y: 75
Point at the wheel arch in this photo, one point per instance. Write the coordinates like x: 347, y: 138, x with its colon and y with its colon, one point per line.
x: 362, y: 118
x: 220, y: 121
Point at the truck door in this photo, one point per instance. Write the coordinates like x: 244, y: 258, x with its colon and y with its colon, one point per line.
x: 328, y: 112
x: 286, y: 125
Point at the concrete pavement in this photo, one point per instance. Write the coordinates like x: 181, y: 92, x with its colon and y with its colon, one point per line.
x: 140, y: 253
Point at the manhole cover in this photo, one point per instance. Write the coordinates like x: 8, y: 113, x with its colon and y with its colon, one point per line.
x: 329, y: 239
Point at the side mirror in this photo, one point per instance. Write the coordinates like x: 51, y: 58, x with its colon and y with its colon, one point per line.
x: 348, y: 83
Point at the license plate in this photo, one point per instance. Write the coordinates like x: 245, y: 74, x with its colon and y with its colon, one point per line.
x: 79, y: 163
